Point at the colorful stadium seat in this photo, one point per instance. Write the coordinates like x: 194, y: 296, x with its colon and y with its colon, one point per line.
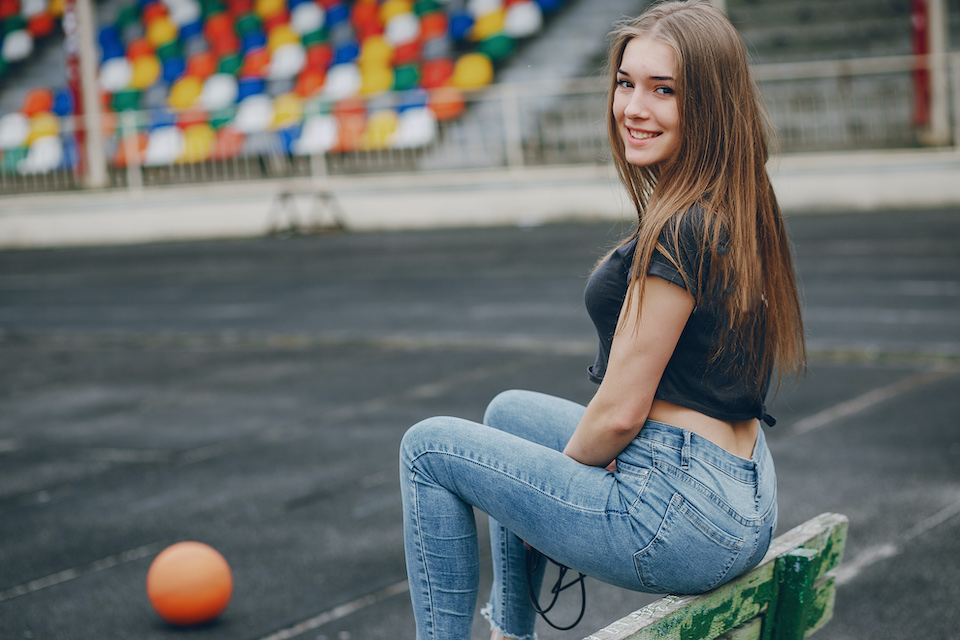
x: 311, y: 75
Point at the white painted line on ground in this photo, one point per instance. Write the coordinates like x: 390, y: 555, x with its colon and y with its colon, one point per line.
x: 338, y: 612
x: 118, y: 455
x: 848, y: 571
x: 82, y: 570
x: 865, y: 401
x: 933, y: 521
x: 9, y: 444
x: 870, y: 316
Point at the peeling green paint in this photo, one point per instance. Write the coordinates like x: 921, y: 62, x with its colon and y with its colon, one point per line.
x: 787, y: 597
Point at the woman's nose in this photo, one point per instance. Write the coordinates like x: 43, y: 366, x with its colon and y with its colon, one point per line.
x: 637, y: 106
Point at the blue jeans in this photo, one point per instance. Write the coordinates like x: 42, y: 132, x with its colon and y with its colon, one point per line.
x: 680, y: 514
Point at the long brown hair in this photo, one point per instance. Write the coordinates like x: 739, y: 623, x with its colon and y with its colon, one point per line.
x: 720, y: 166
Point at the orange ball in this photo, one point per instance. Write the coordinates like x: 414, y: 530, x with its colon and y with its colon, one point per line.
x: 189, y: 583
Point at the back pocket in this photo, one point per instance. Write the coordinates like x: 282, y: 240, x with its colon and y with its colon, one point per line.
x: 688, y: 555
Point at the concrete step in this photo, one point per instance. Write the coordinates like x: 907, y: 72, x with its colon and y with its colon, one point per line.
x: 868, y: 36
x: 800, y: 12
x: 792, y: 30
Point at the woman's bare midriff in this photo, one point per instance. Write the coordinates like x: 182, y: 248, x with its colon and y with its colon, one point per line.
x: 736, y: 437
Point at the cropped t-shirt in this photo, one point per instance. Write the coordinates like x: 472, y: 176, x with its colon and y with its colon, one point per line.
x: 690, y: 379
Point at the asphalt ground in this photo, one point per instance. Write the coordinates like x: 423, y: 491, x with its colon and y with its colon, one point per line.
x: 252, y: 394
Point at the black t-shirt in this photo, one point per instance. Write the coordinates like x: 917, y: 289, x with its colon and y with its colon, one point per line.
x: 690, y: 379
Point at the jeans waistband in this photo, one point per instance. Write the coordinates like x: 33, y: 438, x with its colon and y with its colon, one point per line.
x: 688, y: 444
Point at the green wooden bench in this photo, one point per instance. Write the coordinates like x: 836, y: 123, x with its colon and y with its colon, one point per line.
x: 788, y: 596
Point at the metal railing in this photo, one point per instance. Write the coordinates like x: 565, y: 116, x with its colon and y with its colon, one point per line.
x: 822, y: 106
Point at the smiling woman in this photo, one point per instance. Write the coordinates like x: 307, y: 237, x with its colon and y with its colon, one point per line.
x: 663, y: 482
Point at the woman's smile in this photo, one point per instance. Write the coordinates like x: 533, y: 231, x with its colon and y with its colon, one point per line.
x: 642, y: 135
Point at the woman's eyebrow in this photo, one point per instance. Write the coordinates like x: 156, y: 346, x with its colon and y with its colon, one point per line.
x: 657, y: 78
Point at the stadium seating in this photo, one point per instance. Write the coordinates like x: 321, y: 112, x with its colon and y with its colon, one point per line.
x: 208, y: 79
x: 195, y: 80
x: 22, y: 24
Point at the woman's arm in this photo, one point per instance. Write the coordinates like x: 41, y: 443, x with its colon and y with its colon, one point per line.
x: 640, y: 351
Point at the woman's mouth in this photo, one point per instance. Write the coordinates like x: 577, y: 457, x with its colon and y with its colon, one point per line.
x: 642, y: 135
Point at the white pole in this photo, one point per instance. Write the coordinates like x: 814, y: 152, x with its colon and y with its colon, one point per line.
x: 938, y: 131
x: 131, y: 147
x: 955, y: 81
x: 512, y: 132
x: 96, y: 174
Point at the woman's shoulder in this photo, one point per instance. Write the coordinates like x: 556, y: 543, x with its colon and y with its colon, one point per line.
x: 699, y: 229
x: 623, y: 254
x: 686, y: 228
x: 690, y: 220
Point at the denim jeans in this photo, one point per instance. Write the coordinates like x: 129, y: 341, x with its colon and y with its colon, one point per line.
x: 680, y: 514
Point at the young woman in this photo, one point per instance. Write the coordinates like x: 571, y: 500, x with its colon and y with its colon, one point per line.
x: 664, y: 482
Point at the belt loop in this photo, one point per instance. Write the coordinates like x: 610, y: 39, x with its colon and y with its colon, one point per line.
x: 685, y: 452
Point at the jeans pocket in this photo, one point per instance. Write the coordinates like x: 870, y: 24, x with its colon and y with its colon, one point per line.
x: 689, y: 554
x: 632, y: 481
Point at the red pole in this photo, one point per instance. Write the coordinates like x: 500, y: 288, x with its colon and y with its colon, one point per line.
x: 920, y: 29
x: 71, y: 50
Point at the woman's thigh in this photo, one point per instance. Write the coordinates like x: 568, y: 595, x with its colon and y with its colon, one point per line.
x: 635, y: 528
x: 544, y: 419
x: 576, y: 514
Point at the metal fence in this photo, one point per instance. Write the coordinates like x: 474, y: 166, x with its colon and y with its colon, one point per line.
x: 822, y: 106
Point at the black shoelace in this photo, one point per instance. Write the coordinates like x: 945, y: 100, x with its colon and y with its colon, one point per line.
x: 533, y: 563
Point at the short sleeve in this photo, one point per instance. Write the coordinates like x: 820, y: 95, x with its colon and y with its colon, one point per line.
x: 687, y: 251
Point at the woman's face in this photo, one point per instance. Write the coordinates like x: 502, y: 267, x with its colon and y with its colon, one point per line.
x: 645, y: 102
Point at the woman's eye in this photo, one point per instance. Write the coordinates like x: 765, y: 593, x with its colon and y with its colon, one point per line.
x: 626, y: 84
x: 664, y: 91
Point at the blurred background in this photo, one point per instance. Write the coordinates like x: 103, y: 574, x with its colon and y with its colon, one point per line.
x: 131, y: 94
x: 244, y: 244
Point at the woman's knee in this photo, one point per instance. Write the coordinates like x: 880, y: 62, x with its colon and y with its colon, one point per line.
x: 534, y: 416
x: 502, y: 410
x: 419, y: 437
